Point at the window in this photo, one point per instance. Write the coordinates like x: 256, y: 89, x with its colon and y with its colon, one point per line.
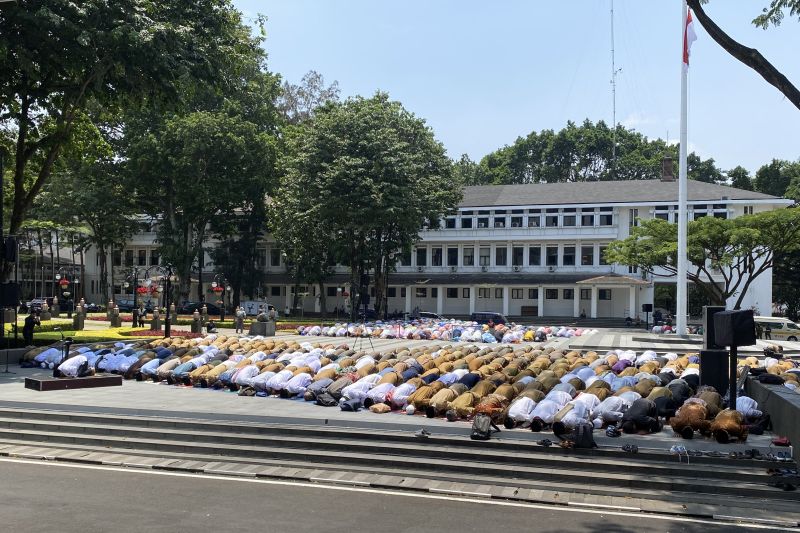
x: 483, y: 222
x: 469, y: 256
x: 330, y: 291
x: 421, y: 292
x: 501, y: 256
x: 569, y: 294
x: 633, y: 270
x: 450, y: 223
x: 633, y: 217
x: 261, y: 257
x: 516, y: 294
x: 606, y: 219
x: 499, y: 222
x: 534, y: 221
x: 551, y: 221
x: 587, y: 220
x: 483, y: 293
x: 720, y: 214
x: 663, y: 216
x: 402, y: 292
x: 604, y: 294
x: 533, y: 294
x: 116, y: 258
x: 422, y: 257
x: 129, y: 258
x: 391, y: 292
x: 465, y: 292
x: 466, y: 223
x: 452, y: 256
x: 154, y: 257
x: 516, y: 222
x: 569, y: 220
x: 552, y: 255
x: 586, y: 294
x: 587, y: 255
x: 405, y: 259
x: 451, y: 292
x: 485, y: 257
x: 275, y: 290
x: 274, y: 257
x: 568, y: 258
x: 517, y: 255
x: 498, y: 293
x: 535, y: 255
x: 748, y: 210
x: 551, y: 294
x: 436, y: 256
x: 434, y: 292
x: 603, y: 255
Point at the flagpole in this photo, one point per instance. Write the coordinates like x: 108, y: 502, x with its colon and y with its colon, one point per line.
x: 680, y: 311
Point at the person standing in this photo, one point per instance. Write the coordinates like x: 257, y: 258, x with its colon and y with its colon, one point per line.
x: 768, y: 332
x: 31, y: 321
x: 239, y: 320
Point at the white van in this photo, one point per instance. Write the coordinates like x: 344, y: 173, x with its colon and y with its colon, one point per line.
x: 781, y: 328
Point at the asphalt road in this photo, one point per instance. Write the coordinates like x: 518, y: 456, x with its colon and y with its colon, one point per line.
x: 39, y: 496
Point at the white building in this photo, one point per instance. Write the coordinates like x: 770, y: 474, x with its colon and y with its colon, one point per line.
x: 522, y: 250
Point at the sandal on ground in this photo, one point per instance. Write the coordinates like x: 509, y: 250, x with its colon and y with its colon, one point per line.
x: 545, y: 442
x: 630, y: 448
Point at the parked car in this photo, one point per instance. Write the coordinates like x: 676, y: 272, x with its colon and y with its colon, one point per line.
x: 125, y: 305
x: 484, y: 317
x: 426, y: 315
x: 187, y: 308
x: 36, y: 304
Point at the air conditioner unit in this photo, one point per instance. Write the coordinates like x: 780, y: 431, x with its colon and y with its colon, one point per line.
x: 420, y: 269
x: 481, y: 225
x: 517, y: 268
x: 484, y: 269
x: 551, y: 269
x: 453, y: 269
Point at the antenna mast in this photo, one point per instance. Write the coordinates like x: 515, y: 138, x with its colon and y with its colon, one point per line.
x: 614, y: 73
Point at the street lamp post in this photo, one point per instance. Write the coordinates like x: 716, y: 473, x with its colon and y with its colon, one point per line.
x: 62, y: 277
x: 133, y: 275
x: 220, y: 286
x: 167, y: 273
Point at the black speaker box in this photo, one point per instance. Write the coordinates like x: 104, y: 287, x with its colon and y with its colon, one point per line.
x: 734, y: 328
x: 714, y: 369
x: 647, y: 308
x: 709, y: 331
x: 9, y: 294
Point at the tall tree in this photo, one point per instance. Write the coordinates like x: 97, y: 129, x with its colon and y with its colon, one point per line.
x: 774, y: 178
x: 58, y: 57
x: 771, y: 16
x: 378, y: 176
x: 725, y: 256
x: 740, y: 178
x: 297, y: 103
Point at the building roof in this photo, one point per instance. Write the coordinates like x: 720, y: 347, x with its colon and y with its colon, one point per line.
x: 601, y: 192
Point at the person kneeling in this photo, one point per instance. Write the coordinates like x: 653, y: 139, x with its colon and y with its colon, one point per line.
x: 74, y: 367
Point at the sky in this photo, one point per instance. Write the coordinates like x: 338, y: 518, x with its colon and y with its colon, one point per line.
x: 483, y: 73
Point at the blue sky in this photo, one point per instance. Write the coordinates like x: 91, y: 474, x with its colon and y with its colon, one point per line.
x: 483, y: 73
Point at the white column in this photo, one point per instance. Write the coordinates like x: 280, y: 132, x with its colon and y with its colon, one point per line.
x: 439, y: 300
x: 576, y: 302
x: 540, y: 301
x: 593, y: 313
x: 317, y: 300
x: 472, y: 297
x: 632, y: 302
x: 681, y: 295
x: 408, y: 299
x: 505, y: 300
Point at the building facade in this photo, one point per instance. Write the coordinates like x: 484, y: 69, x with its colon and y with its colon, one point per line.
x: 532, y: 250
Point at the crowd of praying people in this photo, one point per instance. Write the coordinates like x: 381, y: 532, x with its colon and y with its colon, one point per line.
x: 523, y: 386
x: 445, y: 330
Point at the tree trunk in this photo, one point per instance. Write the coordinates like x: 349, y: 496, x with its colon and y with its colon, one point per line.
x: 323, y: 304
x: 103, y: 263
x: 41, y: 259
x: 52, y: 260
x: 83, y: 274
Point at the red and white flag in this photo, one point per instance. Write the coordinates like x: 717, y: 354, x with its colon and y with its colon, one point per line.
x: 689, y: 36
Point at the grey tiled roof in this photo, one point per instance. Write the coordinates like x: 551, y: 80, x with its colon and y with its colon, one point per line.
x: 600, y: 192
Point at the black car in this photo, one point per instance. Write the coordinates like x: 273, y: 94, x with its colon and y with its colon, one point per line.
x: 484, y: 317
x: 188, y: 308
x: 125, y: 305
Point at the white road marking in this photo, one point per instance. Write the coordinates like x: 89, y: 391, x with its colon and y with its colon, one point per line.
x: 421, y: 495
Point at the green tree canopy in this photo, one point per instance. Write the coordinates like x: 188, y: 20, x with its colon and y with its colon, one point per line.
x: 740, y: 178
x: 775, y: 177
x: 725, y: 255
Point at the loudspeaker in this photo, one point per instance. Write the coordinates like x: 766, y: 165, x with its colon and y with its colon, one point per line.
x: 714, y: 369
x: 709, y: 337
x: 647, y: 308
x: 9, y: 294
x: 734, y: 328
x: 11, y: 249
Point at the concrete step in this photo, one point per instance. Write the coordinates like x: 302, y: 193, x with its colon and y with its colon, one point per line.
x: 526, y: 455
x: 595, y: 496
x: 634, y: 480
